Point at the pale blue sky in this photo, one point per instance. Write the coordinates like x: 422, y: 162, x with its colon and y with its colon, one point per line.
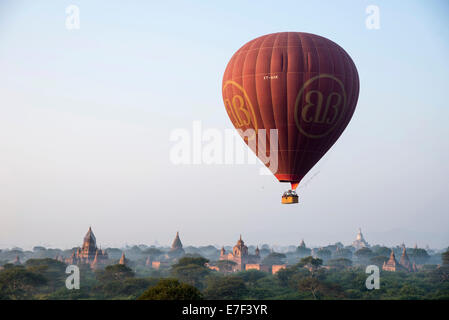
x: 86, y: 115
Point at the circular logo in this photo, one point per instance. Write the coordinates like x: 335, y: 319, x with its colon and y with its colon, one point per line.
x: 318, y: 113
x: 239, y: 107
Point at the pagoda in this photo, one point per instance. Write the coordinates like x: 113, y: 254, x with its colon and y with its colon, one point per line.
x: 392, y: 264
x: 89, y: 253
x: 360, y: 242
x: 405, y: 262
x: 123, y: 259
x: 176, y: 249
x: 240, y: 255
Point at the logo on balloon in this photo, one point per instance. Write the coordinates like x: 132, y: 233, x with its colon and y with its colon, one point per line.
x: 317, y: 113
x: 239, y: 107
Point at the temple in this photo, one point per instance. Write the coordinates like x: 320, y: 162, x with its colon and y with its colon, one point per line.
x: 240, y: 255
x: 360, y: 242
x: 405, y: 262
x: 176, y: 249
x: 123, y: 259
x: 404, y: 265
x: 89, y: 253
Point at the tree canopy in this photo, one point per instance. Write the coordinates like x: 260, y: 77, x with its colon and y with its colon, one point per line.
x: 191, y: 270
x: 230, y: 287
x: 274, y: 258
x: 171, y: 289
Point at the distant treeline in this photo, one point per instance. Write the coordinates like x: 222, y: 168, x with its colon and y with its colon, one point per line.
x: 190, y: 278
x: 137, y: 255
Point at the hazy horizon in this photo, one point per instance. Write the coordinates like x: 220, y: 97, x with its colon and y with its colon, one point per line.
x: 395, y: 233
x: 86, y: 119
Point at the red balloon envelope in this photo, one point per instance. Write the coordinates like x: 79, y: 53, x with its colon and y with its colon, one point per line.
x: 301, y: 84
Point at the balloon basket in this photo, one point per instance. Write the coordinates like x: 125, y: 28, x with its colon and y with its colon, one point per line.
x: 290, y: 197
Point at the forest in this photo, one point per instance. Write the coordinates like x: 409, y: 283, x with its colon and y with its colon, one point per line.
x: 190, y: 278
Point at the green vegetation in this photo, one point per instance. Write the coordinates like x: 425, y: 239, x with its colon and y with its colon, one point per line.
x: 171, y: 289
x: 225, y: 265
x: 191, y: 270
x: 19, y: 283
x: 191, y: 279
x: 274, y: 258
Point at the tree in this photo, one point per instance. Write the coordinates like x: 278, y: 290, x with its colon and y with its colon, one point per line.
x: 191, y: 270
x: 19, y: 283
x: 343, y: 253
x: 117, y: 272
x: 382, y: 251
x: 324, y: 254
x: 250, y: 277
x: 51, y: 269
x: 113, y: 253
x: 363, y: 254
x: 274, y: 258
x: 171, y: 289
x: 339, y: 244
x: 130, y: 288
x: 284, y: 275
x: 320, y: 289
x: 419, y: 256
x: 290, y: 276
x: 378, y: 260
x: 339, y: 263
x: 134, y: 250
x: 226, y: 288
x: 152, y: 251
x: 441, y: 274
x: 310, y: 285
x: 445, y: 257
x: 302, y: 251
x: 410, y: 292
x: 226, y: 265
x: 197, y: 260
x: 311, y: 263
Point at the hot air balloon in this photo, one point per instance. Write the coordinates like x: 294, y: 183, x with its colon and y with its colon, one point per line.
x: 303, y: 85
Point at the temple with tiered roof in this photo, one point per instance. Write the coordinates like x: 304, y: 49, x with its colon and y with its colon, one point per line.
x: 89, y: 253
x: 176, y: 249
x: 240, y: 255
x: 404, y: 263
x: 360, y: 242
